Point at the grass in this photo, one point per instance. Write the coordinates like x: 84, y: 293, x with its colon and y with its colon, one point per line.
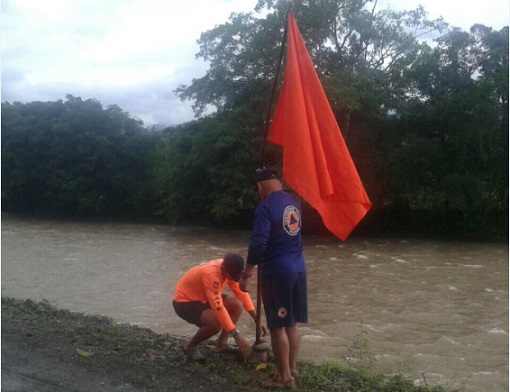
x: 355, y: 373
x: 313, y: 377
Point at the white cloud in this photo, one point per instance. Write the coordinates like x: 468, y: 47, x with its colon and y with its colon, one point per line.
x: 134, y: 53
x: 129, y: 53
x: 459, y: 13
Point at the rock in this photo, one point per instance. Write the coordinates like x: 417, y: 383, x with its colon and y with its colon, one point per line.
x: 263, y: 346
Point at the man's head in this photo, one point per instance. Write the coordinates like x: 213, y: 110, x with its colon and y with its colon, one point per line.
x: 267, y: 173
x: 233, y: 265
x: 268, y: 181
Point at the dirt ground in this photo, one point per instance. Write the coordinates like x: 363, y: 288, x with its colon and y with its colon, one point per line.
x: 49, y: 350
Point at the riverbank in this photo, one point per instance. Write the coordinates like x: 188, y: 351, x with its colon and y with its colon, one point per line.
x: 49, y: 349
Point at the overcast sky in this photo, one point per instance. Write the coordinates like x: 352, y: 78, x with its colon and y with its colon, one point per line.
x: 134, y: 53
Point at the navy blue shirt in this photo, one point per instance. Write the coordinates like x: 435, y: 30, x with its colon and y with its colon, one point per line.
x: 275, y: 242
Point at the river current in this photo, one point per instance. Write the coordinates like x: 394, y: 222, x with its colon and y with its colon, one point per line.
x: 434, y: 311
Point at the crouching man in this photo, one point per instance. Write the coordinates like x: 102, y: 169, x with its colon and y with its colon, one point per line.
x: 199, y: 300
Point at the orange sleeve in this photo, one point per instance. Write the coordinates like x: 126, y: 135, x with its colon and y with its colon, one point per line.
x: 241, y: 296
x: 213, y: 289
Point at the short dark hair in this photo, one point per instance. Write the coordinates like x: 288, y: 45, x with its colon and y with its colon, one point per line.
x: 234, y: 265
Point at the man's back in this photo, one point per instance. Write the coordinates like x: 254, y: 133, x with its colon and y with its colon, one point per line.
x: 276, y: 234
x: 193, y: 285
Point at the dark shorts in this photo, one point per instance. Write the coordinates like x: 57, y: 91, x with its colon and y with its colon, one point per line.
x: 285, y: 299
x: 191, y: 311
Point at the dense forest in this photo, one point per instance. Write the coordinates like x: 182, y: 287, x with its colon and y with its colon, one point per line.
x: 423, y: 108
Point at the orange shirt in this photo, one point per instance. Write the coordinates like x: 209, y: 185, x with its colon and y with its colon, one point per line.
x: 205, y: 283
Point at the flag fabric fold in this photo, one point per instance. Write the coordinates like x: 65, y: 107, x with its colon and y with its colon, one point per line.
x: 316, y: 161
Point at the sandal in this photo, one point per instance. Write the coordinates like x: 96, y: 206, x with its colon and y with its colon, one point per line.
x: 194, y: 354
x: 294, y: 375
x: 273, y: 384
x: 227, y: 349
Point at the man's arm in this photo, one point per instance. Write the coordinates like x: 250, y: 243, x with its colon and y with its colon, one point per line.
x: 247, y: 274
x: 258, y: 243
x: 241, y: 295
x: 244, y: 297
x: 213, y: 289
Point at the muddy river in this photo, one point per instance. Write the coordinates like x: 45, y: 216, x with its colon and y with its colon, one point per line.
x: 436, y: 311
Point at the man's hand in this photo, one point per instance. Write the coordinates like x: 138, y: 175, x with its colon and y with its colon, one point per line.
x: 243, y: 283
x: 244, y: 347
x: 262, y: 330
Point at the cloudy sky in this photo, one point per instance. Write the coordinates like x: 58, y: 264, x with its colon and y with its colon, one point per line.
x: 134, y: 53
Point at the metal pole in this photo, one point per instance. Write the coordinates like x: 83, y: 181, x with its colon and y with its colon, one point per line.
x: 271, y: 97
x: 262, y: 162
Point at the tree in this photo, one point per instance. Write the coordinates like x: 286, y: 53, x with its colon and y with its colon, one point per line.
x: 418, y: 117
x: 205, y: 171
x: 423, y: 110
x: 73, y: 158
x: 452, y: 161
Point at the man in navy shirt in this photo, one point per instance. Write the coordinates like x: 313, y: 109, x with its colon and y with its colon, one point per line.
x: 276, y: 247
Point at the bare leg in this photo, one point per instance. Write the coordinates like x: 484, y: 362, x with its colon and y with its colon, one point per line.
x: 209, y: 328
x: 294, y: 343
x: 281, y: 349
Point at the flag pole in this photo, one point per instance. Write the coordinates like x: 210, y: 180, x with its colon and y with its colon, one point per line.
x: 262, y: 163
x: 267, y: 122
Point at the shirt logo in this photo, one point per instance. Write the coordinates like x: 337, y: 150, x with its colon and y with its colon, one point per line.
x: 291, y: 220
x: 217, y: 295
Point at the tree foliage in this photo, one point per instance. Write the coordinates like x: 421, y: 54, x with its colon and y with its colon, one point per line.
x: 207, y: 166
x: 73, y: 158
x: 423, y: 109
x: 452, y: 161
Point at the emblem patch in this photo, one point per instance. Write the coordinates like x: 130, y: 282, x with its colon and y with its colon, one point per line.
x: 282, y: 312
x: 291, y: 220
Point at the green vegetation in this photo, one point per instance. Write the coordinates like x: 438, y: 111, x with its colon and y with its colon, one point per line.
x: 361, y: 358
x: 423, y: 109
x: 356, y: 373
x: 314, y: 377
x: 74, y: 158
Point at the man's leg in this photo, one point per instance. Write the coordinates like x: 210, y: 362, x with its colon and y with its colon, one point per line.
x: 234, y: 308
x: 210, y: 327
x: 281, y: 347
x: 294, y: 337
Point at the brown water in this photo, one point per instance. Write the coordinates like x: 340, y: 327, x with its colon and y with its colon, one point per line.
x: 433, y: 310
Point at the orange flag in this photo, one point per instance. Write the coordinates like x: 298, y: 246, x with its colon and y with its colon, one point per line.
x: 316, y: 161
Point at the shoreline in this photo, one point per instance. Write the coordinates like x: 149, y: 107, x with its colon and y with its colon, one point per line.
x: 50, y: 349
